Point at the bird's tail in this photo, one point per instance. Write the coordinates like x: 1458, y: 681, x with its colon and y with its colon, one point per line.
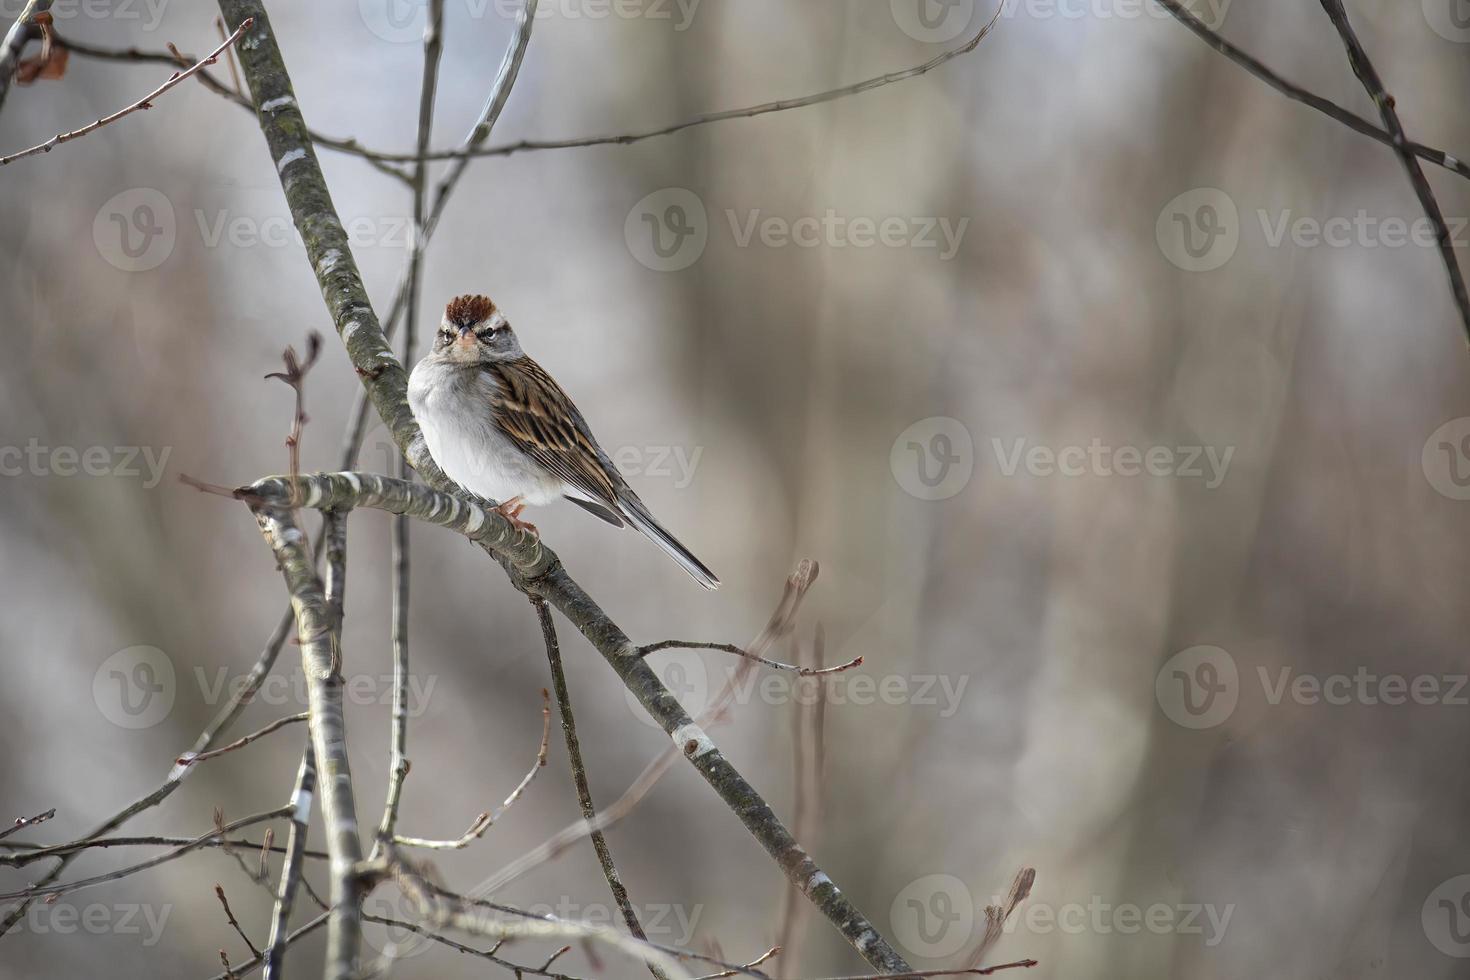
x: 632, y: 508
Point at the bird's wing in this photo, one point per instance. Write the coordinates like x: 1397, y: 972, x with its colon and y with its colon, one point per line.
x: 531, y: 410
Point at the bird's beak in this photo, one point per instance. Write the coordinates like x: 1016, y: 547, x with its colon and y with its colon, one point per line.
x: 466, y: 337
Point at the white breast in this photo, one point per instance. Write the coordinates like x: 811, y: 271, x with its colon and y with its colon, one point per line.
x: 452, y: 406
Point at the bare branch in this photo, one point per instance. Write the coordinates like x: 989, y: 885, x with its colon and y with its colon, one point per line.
x: 174, y: 57
x: 1296, y: 93
x: 487, y: 820
x: 146, y: 102
x: 48, y: 888
x: 279, y: 723
x: 249, y: 966
x: 1368, y: 75
x: 704, y: 119
x: 295, y: 377
x: 768, y: 954
x: 219, y: 891
x: 742, y: 652
x: 971, y: 972
x: 21, y: 823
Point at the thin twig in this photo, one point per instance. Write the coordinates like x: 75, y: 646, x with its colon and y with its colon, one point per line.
x: 279, y: 723
x: 579, y: 774
x: 250, y: 965
x: 487, y: 820
x: 295, y: 377
x: 704, y: 119
x: 1296, y: 93
x: 49, y: 888
x: 971, y: 972
x: 146, y: 102
x: 219, y: 891
x: 768, y: 954
x: 742, y: 652
x: 174, y: 57
x: 486, y: 954
x: 21, y: 823
x: 30, y: 853
x: 1368, y: 75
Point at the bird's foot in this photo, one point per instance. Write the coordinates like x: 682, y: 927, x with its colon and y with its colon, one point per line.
x: 511, y: 510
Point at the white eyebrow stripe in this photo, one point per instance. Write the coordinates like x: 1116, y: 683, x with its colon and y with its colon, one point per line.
x: 496, y: 321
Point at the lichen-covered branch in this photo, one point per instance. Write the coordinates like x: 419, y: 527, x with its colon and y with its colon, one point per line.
x: 319, y: 629
x: 327, y: 248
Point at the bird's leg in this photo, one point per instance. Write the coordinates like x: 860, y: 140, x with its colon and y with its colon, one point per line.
x: 511, y: 510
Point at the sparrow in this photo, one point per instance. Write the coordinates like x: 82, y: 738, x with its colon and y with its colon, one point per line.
x: 499, y: 426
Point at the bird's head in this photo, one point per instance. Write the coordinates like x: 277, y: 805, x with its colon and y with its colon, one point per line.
x: 474, y: 331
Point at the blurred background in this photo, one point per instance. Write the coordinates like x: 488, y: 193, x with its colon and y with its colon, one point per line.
x: 1121, y: 400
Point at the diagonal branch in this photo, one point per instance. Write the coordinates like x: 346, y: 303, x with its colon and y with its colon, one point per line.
x: 1296, y: 93
x: 146, y: 102
x: 1368, y: 75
